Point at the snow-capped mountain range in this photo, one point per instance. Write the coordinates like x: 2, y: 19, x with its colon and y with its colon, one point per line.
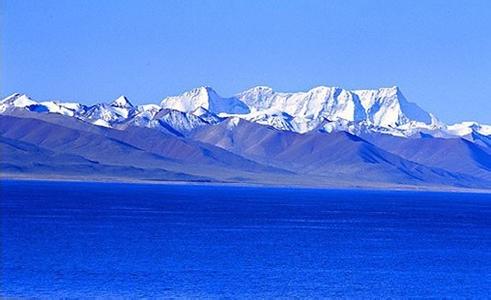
x: 326, y: 136
x: 328, y: 109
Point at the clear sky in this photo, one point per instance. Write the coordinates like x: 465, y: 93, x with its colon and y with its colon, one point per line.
x: 438, y: 52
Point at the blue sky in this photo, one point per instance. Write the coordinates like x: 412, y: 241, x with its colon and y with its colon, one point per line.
x: 438, y: 52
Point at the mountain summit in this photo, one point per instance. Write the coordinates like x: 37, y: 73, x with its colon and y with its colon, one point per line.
x: 122, y: 102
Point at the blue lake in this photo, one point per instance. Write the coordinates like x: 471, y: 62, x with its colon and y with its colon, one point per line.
x: 130, y: 240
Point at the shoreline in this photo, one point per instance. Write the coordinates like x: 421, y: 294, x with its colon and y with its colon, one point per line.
x: 118, y: 180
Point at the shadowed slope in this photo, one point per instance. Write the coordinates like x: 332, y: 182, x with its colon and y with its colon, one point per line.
x: 456, y: 155
x: 139, y: 147
x: 24, y: 159
x: 338, y: 155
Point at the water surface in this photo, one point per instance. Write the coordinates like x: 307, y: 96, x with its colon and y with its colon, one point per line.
x: 129, y: 240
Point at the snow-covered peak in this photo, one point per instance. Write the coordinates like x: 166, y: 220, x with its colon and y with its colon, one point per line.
x: 387, y: 107
x: 257, y: 98
x: 117, y: 111
x: 122, y: 102
x: 328, y: 101
x: 66, y: 108
x: 18, y: 100
x: 206, y: 98
x: 189, y: 101
x: 378, y: 108
x: 22, y: 101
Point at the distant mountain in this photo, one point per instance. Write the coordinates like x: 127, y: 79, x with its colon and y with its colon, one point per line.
x: 326, y: 136
x: 384, y: 110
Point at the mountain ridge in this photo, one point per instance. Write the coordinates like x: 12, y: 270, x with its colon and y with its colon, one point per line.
x: 383, y: 110
x: 326, y: 136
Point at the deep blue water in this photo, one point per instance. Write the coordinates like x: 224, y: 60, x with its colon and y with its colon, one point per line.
x: 118, y: 240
